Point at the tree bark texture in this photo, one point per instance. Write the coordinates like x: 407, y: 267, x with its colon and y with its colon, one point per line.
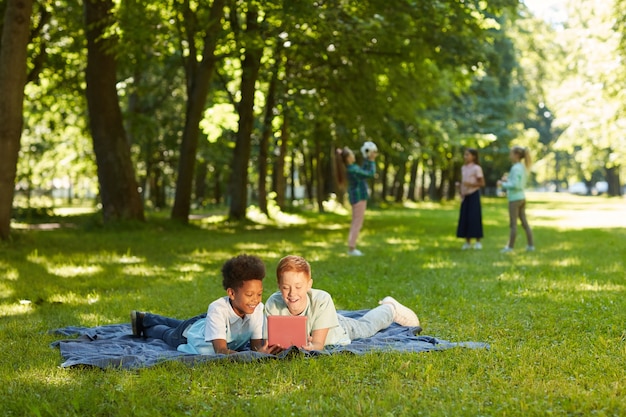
x: 241, y: 157
x: 119, y: 192
x: 400, y: 182
x: 280, y: 183
x: 413, y: 180
x: 199, y: 78
x: 13, y: 54
x: 319, y: 174
x: 270, y: 101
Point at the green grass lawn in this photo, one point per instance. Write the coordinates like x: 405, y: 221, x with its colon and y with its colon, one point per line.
x: 554, y: 318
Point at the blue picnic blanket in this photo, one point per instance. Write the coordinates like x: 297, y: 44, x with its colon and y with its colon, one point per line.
x: 114, y: 346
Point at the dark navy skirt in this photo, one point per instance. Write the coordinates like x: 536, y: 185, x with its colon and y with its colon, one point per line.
x: 470, y: 217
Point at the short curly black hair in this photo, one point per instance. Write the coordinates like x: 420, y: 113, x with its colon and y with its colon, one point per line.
x: 242, y: 268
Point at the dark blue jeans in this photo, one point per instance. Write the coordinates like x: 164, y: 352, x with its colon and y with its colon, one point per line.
x: 168, y: 329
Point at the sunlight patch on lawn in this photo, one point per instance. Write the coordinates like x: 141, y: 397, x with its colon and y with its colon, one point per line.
x: 214, y: 219
x: 11, y: 274
x: 15, y: 309
x: 333, y: 206
x: 440, y: 264
x: 189, y: 268
x: 68, y: 271
x: 425, y: 205
x: 93, y: 319
x: 319, y: 244
x: 569, y: 261
x: 578, y: 219
x: 207, y: 256
x: 331, y: 226
x: 130, y: 259
x: 406, y: 242
x: 74, y: 299
x: 5, y: 291
x: 616, y: 267
x: 595, y: 287
x: 249, y: 246
x: 143, y: 270
x: 509, y: 277
x: 563, y: 290
x: 74, y: 211
x: 276, y: 217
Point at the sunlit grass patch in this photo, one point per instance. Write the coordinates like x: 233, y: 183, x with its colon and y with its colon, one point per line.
x: 68, y: 271
x: 552, y: 317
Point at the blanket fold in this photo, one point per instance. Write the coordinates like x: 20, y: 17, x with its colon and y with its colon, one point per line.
x: 113, y: 346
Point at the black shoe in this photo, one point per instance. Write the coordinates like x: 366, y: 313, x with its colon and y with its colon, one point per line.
x: 136, y: 322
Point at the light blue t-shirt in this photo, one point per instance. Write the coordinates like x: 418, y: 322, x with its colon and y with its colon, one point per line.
x: 516, y: 182
x: 320, y: 312
x: 222, y: 322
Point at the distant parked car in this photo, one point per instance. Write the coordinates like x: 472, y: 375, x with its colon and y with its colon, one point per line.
x: 601, y: 187
x: 579, y: 188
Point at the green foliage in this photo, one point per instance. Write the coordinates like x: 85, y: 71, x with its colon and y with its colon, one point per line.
x: 550, y: 317
x: 579, y: 65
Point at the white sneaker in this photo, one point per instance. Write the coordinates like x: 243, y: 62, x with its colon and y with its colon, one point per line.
x: 478, y: 246
x: 466, y: 246
x: 355, y: 252
x: 506, y: 250
x: 530, y: 248
x: 403, y: 315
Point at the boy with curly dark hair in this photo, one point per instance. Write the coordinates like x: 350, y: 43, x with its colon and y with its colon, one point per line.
x: 230, y: 323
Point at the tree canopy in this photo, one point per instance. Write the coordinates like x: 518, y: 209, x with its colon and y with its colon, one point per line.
x: 224, y: 101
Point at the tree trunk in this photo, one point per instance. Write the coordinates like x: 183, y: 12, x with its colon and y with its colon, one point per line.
x: 119, y: 192
x: 432, y: 187
x: 383, y: 177
x: 200, y: 183
x: 292, y: 175
x: 400, y: 181
x: 280, y: 183
x: 453, y: 176
x: 241, y: 158
x: 270, y: 102
x: 13, y: 47
x: 612, y: 177
x: 217, y: 185
x: 422, y: 187
x: 319, y: 175
x: 413, y: 180
x: 307, y: 172
x: 199, y: 77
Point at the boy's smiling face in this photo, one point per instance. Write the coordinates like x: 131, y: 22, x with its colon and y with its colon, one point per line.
x: 245, y: 299
x: 293, y: 287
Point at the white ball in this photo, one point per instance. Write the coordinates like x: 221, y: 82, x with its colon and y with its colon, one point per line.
x: 367, y: 148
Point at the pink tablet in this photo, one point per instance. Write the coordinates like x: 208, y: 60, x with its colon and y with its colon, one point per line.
x: 286, y: 331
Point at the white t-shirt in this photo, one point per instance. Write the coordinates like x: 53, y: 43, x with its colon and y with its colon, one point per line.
x: 320, y: 312
x: 223, y: 323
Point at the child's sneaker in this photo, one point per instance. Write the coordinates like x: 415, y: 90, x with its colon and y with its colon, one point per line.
x: 506, y: 250
x: 355, y: 252
x: 530, y: 248
x: 466, y: 246
x: 478, y: 246
x: 136, y: 322
x: 403, y: 315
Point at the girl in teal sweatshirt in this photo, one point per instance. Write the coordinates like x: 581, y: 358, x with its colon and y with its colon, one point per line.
x: 514, y: 184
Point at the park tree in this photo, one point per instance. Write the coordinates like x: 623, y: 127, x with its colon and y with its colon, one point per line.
x: 326, y: 74
x: 200, y: 33
x: 13, y: 71
x: 249, y: 38
x: 588, y: 97
x: 116, y: 175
